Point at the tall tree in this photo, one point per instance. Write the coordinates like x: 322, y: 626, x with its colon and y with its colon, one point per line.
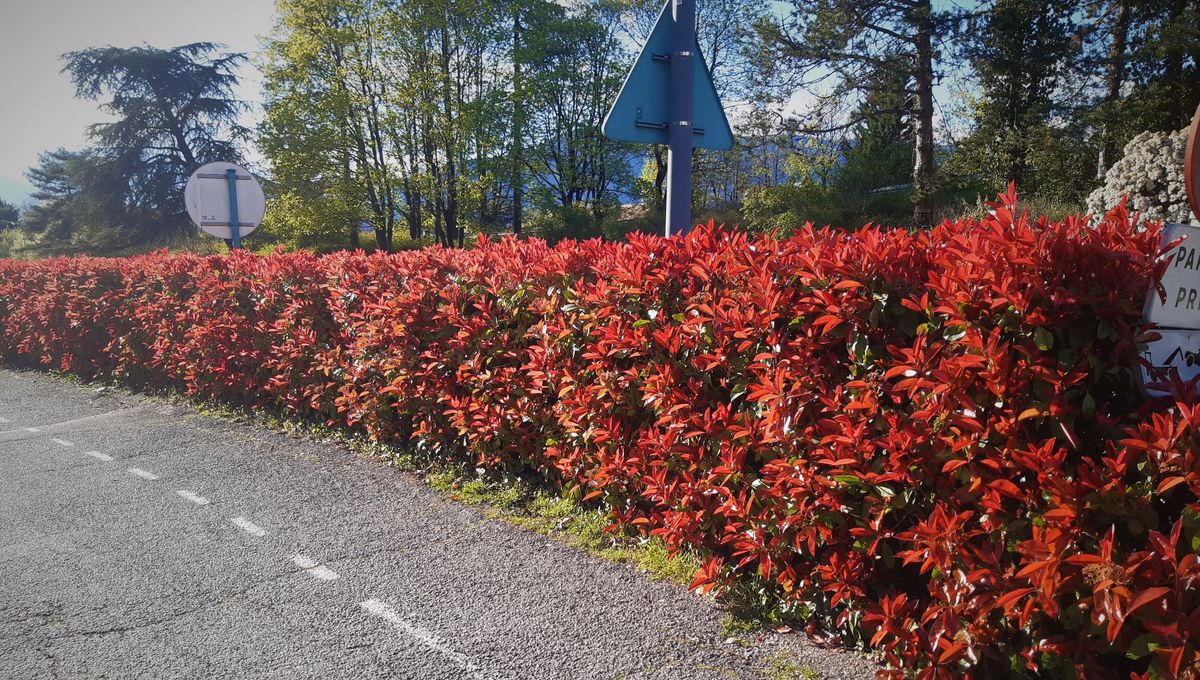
x: 878, y: 152
x: 311, y: 129
x: 577, y: 76
x: 449, y: 116
x: 836, y: 49
x: 81, y: 206
x: 519, y: 56
x: 1146, y: 53
x: 175, y: 111
x: 9, y: 215
x: 1020, y: 55
x: 1114, y: 38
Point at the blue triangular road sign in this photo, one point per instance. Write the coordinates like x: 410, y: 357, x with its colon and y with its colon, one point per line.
x: 643, y: 108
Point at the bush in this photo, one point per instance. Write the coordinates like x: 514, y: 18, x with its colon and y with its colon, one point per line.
x: 929, y: 439
x: 1151, y: 174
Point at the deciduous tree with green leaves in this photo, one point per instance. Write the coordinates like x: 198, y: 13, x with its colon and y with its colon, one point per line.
x: 315, y: 132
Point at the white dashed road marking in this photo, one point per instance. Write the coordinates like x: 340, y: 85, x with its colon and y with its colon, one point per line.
x: 4, y: 420
x: 314, y: 569
x: 31, y: 429
x: 143, y: 474
x: 198, y: 500
x: 98, y: 456
x: 62, y: 442
x: 250, y: 527
x: 381, y: 609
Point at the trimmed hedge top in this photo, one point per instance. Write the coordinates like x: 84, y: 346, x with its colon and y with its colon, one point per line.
x: 932, y: 440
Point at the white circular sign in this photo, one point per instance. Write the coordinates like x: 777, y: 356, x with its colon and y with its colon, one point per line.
x: 207, y: 199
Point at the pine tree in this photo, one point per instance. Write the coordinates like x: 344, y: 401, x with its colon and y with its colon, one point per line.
x: 1022, y: 56
x: 840, y: 48
x: 1147, y: 53
x: 879, y: 153
x: 9, y: 215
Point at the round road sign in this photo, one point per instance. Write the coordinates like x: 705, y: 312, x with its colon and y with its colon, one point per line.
x: 207, y: 199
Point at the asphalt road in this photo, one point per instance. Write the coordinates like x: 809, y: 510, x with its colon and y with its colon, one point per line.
x: 140, y: 539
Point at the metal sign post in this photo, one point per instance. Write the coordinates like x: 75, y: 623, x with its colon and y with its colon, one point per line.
x: 669, y: 98
x: 679, y: 150
x: 235, y: 224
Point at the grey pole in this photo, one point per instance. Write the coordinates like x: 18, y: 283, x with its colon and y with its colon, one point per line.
x: 679, y: 136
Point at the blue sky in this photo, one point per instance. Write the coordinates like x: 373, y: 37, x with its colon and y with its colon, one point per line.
x: 39, y: 111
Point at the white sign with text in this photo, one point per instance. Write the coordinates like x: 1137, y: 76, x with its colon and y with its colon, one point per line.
x: 1181, y: 281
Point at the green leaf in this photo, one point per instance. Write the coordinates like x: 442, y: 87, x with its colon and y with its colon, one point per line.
x: 1191, y: 518
x: 885, y: 551
x: 1043, y: 338
x: 1088, y: 407
x: 1143, y: 645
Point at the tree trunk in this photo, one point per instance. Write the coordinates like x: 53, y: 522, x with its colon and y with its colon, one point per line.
x: 923, y: 167
x: 414, y: 211
x: 449, y: 145
x: 518, y: 124
x: 354, y: 244
x: 1180, y: 104
x: 1113, y: 80
x: 660, y: 177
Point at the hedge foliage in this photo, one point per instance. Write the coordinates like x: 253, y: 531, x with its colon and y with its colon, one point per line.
x: 932, y: 439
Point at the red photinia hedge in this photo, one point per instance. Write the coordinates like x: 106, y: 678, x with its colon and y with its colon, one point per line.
x: 932, y: 438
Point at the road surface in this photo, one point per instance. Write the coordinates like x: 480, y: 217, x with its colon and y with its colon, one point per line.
x: 140, y: 539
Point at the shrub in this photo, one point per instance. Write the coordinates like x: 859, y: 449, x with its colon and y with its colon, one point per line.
x: 931, y: 439
x: 1151, y: 174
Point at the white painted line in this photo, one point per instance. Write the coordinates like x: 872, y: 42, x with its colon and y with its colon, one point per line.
x: 250, y: 527
x: 198, y: 500
x: 62, y: 442
x: 4, y: 420
x: 143, y: 474
x: 381, y: 609
x: 314, y: 569
x: 97, y: 455
x: 304, y: 562
x: 31, y: 429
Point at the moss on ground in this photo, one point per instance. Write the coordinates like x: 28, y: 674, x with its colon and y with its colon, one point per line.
x: 782, y: 668
x: 734, y: 626
x: 561, y: 516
